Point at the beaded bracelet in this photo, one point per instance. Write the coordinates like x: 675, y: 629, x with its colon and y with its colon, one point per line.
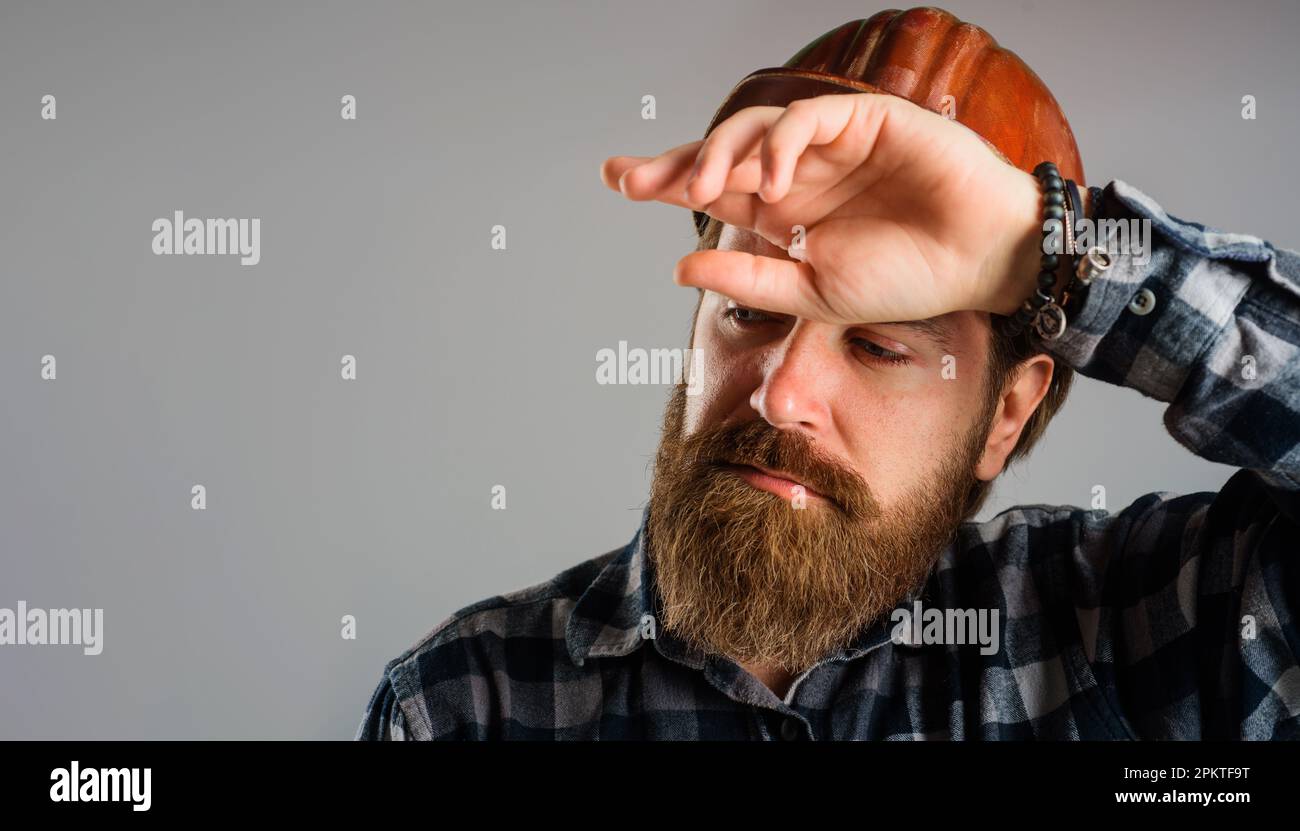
x: 1041, y: 304
x: 1061, y: 209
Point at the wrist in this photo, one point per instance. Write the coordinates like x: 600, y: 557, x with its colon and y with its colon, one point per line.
x: 1026, y: 261
x: 1026, y: 242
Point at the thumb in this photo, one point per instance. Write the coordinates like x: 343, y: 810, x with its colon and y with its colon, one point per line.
x: 766, y: 283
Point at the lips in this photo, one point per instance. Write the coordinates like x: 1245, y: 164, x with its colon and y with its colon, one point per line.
x: 773, y: 481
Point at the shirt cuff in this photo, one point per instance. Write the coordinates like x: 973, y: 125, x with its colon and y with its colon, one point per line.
x: 1167, y: 295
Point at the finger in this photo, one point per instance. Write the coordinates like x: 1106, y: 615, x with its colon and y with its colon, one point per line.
x: 640, y: 178
x: 804, y: 123
x: 613, y: 168
x: 730, y: 143
x: 782, y: 286
x: 736, y: 205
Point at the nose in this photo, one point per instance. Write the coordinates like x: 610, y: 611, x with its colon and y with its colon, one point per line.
x: 796, y: 378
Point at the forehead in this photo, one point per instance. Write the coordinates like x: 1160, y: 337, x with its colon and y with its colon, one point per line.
x: 958, y: 332
x: 743, y: 239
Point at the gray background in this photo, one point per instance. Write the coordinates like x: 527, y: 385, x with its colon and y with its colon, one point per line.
x: 476, y: 367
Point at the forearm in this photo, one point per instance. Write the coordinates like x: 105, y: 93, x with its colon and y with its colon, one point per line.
x: 1210, y: 324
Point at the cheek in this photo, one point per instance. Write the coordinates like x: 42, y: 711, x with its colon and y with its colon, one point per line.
x: 899, y: 433
x: 724, y: 382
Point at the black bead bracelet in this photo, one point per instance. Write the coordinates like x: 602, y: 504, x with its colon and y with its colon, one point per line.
x: 1062, y: 209
x: 1041, y: 310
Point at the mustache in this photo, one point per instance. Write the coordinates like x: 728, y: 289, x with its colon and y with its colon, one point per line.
x: 758, y: 444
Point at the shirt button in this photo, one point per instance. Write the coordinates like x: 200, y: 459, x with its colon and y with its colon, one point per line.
x: 790, y: 730
x: 1142, y: 303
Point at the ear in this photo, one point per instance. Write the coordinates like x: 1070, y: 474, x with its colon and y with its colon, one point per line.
x: 1020, y: 397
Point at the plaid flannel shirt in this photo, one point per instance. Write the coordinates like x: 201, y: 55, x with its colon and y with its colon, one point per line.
x: 1173, y: 618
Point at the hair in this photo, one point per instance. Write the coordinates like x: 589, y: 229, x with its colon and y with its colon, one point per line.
x: 1005, y: 356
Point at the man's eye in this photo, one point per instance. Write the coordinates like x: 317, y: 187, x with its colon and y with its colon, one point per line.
x: 746, y: 317
x: 878, y: 352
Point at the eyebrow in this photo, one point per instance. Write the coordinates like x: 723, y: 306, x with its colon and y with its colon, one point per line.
x: 937, y: 331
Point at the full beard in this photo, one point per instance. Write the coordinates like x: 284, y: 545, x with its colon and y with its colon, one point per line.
x: 744, y: 573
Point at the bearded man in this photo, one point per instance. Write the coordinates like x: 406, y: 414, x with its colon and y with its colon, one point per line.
x: 871, y: 220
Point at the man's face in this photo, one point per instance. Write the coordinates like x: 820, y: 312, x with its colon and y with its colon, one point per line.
x: 817, y: 475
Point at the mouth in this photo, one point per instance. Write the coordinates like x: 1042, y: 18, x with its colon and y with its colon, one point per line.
x: 773, y: 481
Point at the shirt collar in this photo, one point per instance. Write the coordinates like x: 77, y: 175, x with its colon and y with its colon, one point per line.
x: 609, y: 618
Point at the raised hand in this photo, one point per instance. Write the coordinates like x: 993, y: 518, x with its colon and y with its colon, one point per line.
x: 907, y: 215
